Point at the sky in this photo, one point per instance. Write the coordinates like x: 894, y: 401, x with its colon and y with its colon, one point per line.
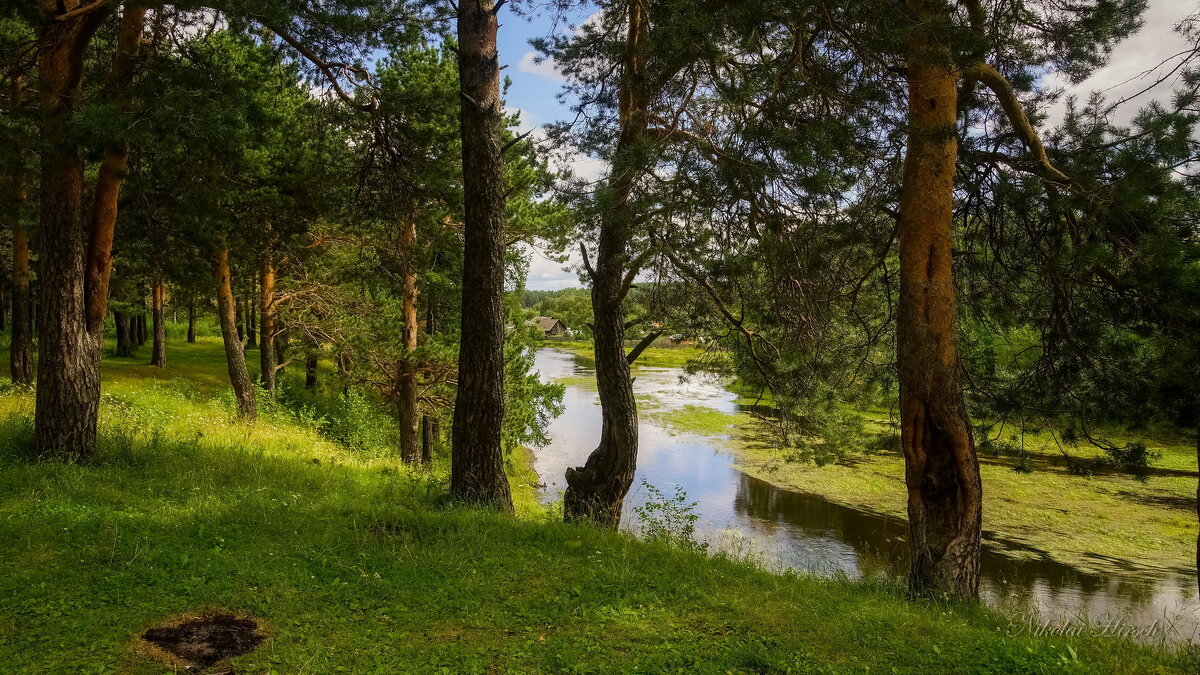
x: 1132, y: 66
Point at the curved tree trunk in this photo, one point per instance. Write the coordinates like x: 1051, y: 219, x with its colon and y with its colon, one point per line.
x: 941, y: 469
x: 158, y: 353
x: 235, y: 355
x: 267, y: 367
x: 477, y: 463
x: 596, y: 491
x: 20, y: 351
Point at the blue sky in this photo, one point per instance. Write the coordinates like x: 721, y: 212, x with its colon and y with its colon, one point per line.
x: 534, y: 92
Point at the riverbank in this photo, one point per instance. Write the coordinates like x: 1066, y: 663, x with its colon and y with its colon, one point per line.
x: 352, y: 561
x: 1034, y: 505
x: 660, y: 354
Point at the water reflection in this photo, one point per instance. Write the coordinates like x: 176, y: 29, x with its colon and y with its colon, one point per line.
x: 802, y: 531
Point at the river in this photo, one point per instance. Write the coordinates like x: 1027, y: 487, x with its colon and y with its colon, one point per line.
x: 745, y: 515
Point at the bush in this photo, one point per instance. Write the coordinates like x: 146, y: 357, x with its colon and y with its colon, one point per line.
x: 1133, y: 457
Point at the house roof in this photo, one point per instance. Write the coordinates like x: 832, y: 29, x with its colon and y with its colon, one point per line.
x: 544, y: 323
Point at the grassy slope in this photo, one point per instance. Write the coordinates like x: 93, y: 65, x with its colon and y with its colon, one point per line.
x: 354, y: 562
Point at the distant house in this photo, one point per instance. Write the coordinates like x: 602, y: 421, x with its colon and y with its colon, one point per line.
x: 549, y: 326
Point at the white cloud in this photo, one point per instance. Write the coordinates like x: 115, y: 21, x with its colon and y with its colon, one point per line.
x: 546, y: 68
x: 527, y: 118
x: 1134, y: 63
x: 546, y: 274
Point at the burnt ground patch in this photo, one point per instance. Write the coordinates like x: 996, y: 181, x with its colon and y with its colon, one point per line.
x: 202, y: 641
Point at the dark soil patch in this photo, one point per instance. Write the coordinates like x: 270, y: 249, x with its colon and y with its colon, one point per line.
x: 202, y: 642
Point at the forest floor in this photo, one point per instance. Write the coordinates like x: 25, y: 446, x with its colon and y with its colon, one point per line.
x: 349, y: 561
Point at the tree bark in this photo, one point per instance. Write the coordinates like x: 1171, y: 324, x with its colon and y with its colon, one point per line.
x: 124, y: 348
x: 68, y: 391
x: 251, y: 332
x: 406, y: 380
x: 20, y: 351
x: 112, y: 172
x: 191, y: 334
x: 477, y: 463
x: 941, y: 468
x: 310, y: 371
x: 158, y: 353
x: 429, y: 434
x: 235, y: 355
x: 239, y: 312
x: 266, y: 350
x: 140, y: 325
x: 596, y: 491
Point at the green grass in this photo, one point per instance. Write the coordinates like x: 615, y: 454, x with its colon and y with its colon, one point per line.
x: 664, y: 357
x: 697, y: 419
x: 357, y: 563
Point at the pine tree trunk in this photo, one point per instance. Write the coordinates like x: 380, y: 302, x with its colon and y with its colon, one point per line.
x: 406, y: 381
x: 310, y: 371
x: 266, y: 351
x: 140, y: 322
x: 124, y: 348
x: 477, y: 463
x: 239, y: 313
x: 941, y: 468
x: 158, y: 353
x: 428, y: 438
x: 251, y: 331
x: 191, y: 335
x: 596, y: 491
x: 235, y: 355
x: 68, y: 383
x: 20, y: 351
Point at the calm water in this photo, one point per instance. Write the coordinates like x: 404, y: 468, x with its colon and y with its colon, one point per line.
x: 789, y: 529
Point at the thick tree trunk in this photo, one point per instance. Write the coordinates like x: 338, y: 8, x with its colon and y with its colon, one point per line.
x: 266, y: 350
x: 20, y: 351
x: 477, y: 462
x: 235, y: 355
x: 941, y: 468
x: 68, y: 388
x: 124, y: 348
x: 140, y: 328
x: 406, y: 381
x: 191, y: 335
x: 158, y: 353
x: 596, y: 491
